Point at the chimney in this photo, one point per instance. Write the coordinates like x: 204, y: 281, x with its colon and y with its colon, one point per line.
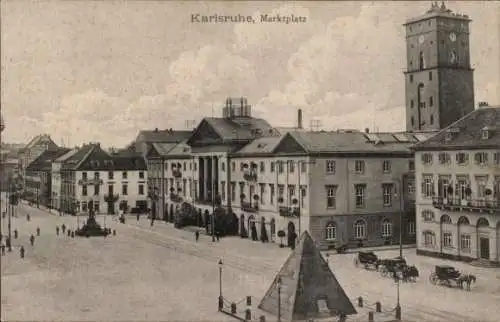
x: 367, y: 130
x: 299, y: 119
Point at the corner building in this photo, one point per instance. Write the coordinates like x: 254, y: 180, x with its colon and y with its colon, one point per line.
x: 458, y: 200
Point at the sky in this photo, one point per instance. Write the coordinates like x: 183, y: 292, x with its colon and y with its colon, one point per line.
x: 86, y: 71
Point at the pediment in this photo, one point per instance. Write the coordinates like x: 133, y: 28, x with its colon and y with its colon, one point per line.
x: 289, y: 145
x: 152, y: 152
x: 204, y: 134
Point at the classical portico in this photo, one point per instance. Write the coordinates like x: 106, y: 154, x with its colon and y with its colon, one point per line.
x: 208, y: 177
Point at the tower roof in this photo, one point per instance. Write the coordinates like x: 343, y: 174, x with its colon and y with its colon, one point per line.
x: 309, y: 289
x: 438, y: 10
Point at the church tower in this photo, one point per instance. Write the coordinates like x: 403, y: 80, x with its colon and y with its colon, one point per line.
x: 439, y: 82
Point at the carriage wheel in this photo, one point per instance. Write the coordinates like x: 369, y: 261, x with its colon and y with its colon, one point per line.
x: 433, y: 278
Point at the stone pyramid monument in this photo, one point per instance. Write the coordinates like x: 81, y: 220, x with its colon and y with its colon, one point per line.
x: 309, y: 290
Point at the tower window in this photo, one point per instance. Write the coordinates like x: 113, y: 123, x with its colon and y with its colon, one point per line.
x: 430, y: 76
x: 432, y: 119
x: 430, y: 23
x: 411, y: 104
x: 421, y: 61
x: 412, y: 121
x: 431, y: 101
x: 411, y: 78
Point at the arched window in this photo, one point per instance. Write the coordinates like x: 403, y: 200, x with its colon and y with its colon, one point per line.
x: 331, y: 231
x: 445, y: 219
x: 428, y: 238
x: 360, y: 229
x: 421, y: 61
x: 386, y: 228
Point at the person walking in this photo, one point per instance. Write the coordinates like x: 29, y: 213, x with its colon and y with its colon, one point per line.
x: 197, y: 235
x: 63, y: 228
x: 32, y: 240
x: 57, y: 230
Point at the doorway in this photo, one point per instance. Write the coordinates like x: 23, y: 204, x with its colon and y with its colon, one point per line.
x: 484, y: 248
x: 111, y: 208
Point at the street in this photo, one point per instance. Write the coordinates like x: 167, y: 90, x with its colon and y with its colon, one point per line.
x: 161, y: 273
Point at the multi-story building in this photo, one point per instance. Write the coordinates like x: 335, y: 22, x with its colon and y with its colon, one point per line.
x: 90, y: 175
x: 33, y: 150
x: 458, y: 201
x: 38, y: 179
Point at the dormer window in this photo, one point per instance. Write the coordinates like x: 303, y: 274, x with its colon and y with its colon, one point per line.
x: 485, y: 133
x: 449, y: 136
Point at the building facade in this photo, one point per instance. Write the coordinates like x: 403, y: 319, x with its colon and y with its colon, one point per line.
x: 458, y: 200
x: 38, y: 178
x: 438, y: 78
x: 90, y: 175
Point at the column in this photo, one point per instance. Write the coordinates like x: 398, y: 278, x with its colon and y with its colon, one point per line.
x: 201, y: 170
x: 215, y: 176
x: 206, y: 184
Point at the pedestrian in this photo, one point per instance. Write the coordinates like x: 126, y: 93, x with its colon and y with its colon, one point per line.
x: 217, y: 235
x: 38, y: 231
x: 63, y: 228
x: 32, y: 240
x: 57, y: 230
x: 152, y: 222
x: 21, y: 251
x: 28, y: 217
x: 15, y: 233
x: 197, y: 235
x: 3, y: 214
x: 3, y: 249
x: 69, y: 232
x: 138, y: 216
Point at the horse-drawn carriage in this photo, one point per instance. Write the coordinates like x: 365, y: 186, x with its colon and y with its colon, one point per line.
x: 368, y: 259
x: 448, y: 275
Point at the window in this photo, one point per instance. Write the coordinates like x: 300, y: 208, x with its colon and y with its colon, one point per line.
x: 411, y: 228
x: 184, y: 166
x: 496, y: 158
x: 272, y: 166
x: 411, y: 186
x: 84, y: 206
x: 426, y: 158
x: 431, y: 119
x: 462, y: 158
x: 412, y: 103
x: 190, y: 166
x: 411, y: 78
x: 447, y: 239
x: 233, y: 191
x: 96, y: 175
x: 411, y: 165
x: 360, y: 229
x: 281, y: 190
x: 431, y: 101
x: 387, y: 190
x: 331, y: 197
x: 141, y: 189
x: 430, y: 76
x: 386, y: 228
x: 96, y: 206
x: 303, y: 167
x: 84, y: 190
x: 291, y: 166
x: 386, y: 166
x: 302, y: 195
x: 141, y: 174
x: 359, y: 166
x: 262, y: 167
x: 421, y: 61
x: 184, y: 187
x: 427, y: 215
x: 271, y: 194
x: 481, y: 186
x: 110, y: 189
x: 412, y: 121
x: 427, y: 186
x: 222, y: 190
x: 280, y: 167
x: 481, y: 158
x: 223, y: 166
x: 96, y: 190
x: 465, y: 242
x: 330, y: 166
x: 84, y: 175
x: 331, y: 231
x: 111, y: 175
x: 443, y: 184
x: 291, y: 191
x: 360, y: 195
x: 485, y: 134
x: 124, y: 175
x: 428, y: 237
x: 262, y: 192
x: 444, y: 158
x: 124, y: 189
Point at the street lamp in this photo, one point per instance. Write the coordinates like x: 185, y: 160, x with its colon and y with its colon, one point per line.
x: 279, y: 298
x: 400, y: 196
x: 220, y: 277
x: 398, y: 306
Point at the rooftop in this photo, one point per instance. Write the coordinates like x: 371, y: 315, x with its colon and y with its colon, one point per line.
x: 438, y: 10
x: 479, y: 129
x: 44, y: 161
x: 163, y: 136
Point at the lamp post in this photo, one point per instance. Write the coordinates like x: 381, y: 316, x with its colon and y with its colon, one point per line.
x: 279, y: 298
x: 213, y: 211
x: 398, y: 306
x: 399, y: 195
x: 220, y: 278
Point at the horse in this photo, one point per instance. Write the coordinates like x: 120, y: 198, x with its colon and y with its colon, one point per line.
x: 410, y: 273
x: 466, y: 279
